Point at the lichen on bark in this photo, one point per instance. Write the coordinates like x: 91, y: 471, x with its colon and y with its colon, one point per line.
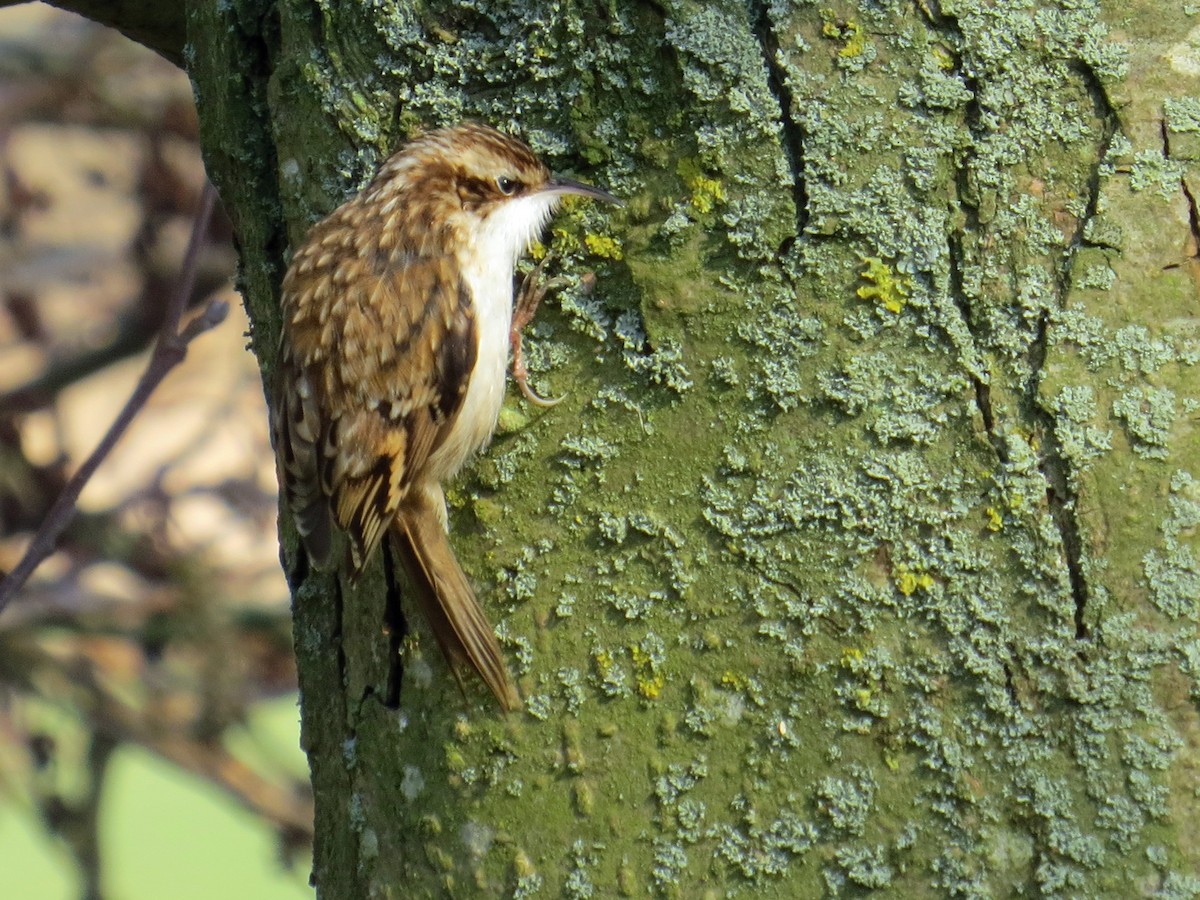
x: 862, y: 554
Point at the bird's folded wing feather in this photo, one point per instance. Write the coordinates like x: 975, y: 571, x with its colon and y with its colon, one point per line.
x: 374, y: 367
x: 454, y: 615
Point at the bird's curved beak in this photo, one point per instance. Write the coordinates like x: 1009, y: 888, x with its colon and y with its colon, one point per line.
x: 560, y: 185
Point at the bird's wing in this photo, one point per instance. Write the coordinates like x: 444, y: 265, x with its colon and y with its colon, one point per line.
x: 295, y: 432
x: 377, y: 355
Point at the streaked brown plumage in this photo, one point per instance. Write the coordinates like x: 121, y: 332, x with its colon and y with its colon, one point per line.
x: 397, y: 316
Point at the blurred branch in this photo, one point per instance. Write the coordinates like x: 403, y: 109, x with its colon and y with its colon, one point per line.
x: 134, y: 334
x: 169, y: 352
x: 77, y: 822
x: 159, y: 623
x: 165, y: 195
x: 161, y: 26
x: 113, y: 719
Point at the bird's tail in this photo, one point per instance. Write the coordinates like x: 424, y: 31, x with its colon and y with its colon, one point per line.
x: 449, y: 603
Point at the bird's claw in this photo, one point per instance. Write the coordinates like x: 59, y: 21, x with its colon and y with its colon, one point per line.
x: 534, y: 397
x: 531, y: 294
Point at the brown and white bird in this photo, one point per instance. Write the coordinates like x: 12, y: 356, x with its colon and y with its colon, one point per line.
x: 397, y: 311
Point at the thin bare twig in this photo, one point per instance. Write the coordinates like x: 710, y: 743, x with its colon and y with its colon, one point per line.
x: 169, y: 352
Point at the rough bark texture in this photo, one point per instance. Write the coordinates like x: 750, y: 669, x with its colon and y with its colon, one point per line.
x: 863, y: 553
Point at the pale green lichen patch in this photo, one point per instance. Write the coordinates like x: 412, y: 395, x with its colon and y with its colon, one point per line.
x: 1081, y: 441
x: 1182, y: 114
x: 1148, y: 414
x: 1173, y: 568
x: 900, y: 403
x: 1153, y: 171
x: 723, y: 68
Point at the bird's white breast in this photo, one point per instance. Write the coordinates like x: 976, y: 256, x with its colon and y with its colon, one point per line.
x: 487, y: 265
x: 493, y: 299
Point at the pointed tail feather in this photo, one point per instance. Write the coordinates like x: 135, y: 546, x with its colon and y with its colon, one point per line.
x: 449, y: 603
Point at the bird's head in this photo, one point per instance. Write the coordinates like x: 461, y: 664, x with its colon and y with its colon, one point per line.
x: 492, y: 185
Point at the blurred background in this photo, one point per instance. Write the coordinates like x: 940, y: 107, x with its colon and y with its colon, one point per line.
x: 148, y: 722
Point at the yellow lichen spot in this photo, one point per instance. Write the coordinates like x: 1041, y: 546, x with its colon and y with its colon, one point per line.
x: 856, y: 41
x: 537, y: 251
x: 603, y: 246
x: 650, y: 681
x: 848, y: 31
x: 943, y: 57
x: 995, y: 519
x: 735, y: 681
x: 886, y: 287
x: 908, y: 581
x: 706, y: 192
x: 456, y: 498
x: 863, y: 697
x: 650, y: 687
x: 831, y: 27
x: 566, y: 240
x: 851, y: 656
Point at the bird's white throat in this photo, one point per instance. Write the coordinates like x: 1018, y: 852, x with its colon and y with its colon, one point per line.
x: 488, y: 268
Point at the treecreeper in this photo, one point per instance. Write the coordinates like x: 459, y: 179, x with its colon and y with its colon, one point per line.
x: 397, y: 323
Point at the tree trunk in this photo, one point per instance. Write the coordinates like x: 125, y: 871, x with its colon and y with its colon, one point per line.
x: 863, y: 551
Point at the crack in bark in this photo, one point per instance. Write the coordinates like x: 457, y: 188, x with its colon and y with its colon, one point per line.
x: 1055, y: 466
x: 351, y: 712
x: 792, y: 131
x: 339, y: 634
x: 982, y: 388
x: 1193, y: 217
x: 1010, y: 686
x: 297, y: 571
x: 968, y: 205
x: 395, y: 626
x: 1188, y: 195
x: 1060, y: 498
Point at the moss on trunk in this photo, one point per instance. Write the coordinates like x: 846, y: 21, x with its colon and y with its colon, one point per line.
x: 863, y: 552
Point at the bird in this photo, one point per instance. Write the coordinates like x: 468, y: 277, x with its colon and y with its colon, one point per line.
x: 397, y: 319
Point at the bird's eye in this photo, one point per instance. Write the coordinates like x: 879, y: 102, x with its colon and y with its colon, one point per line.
x: 507, y: 186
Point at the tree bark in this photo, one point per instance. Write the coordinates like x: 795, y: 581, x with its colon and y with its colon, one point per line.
x: 863, y: 552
